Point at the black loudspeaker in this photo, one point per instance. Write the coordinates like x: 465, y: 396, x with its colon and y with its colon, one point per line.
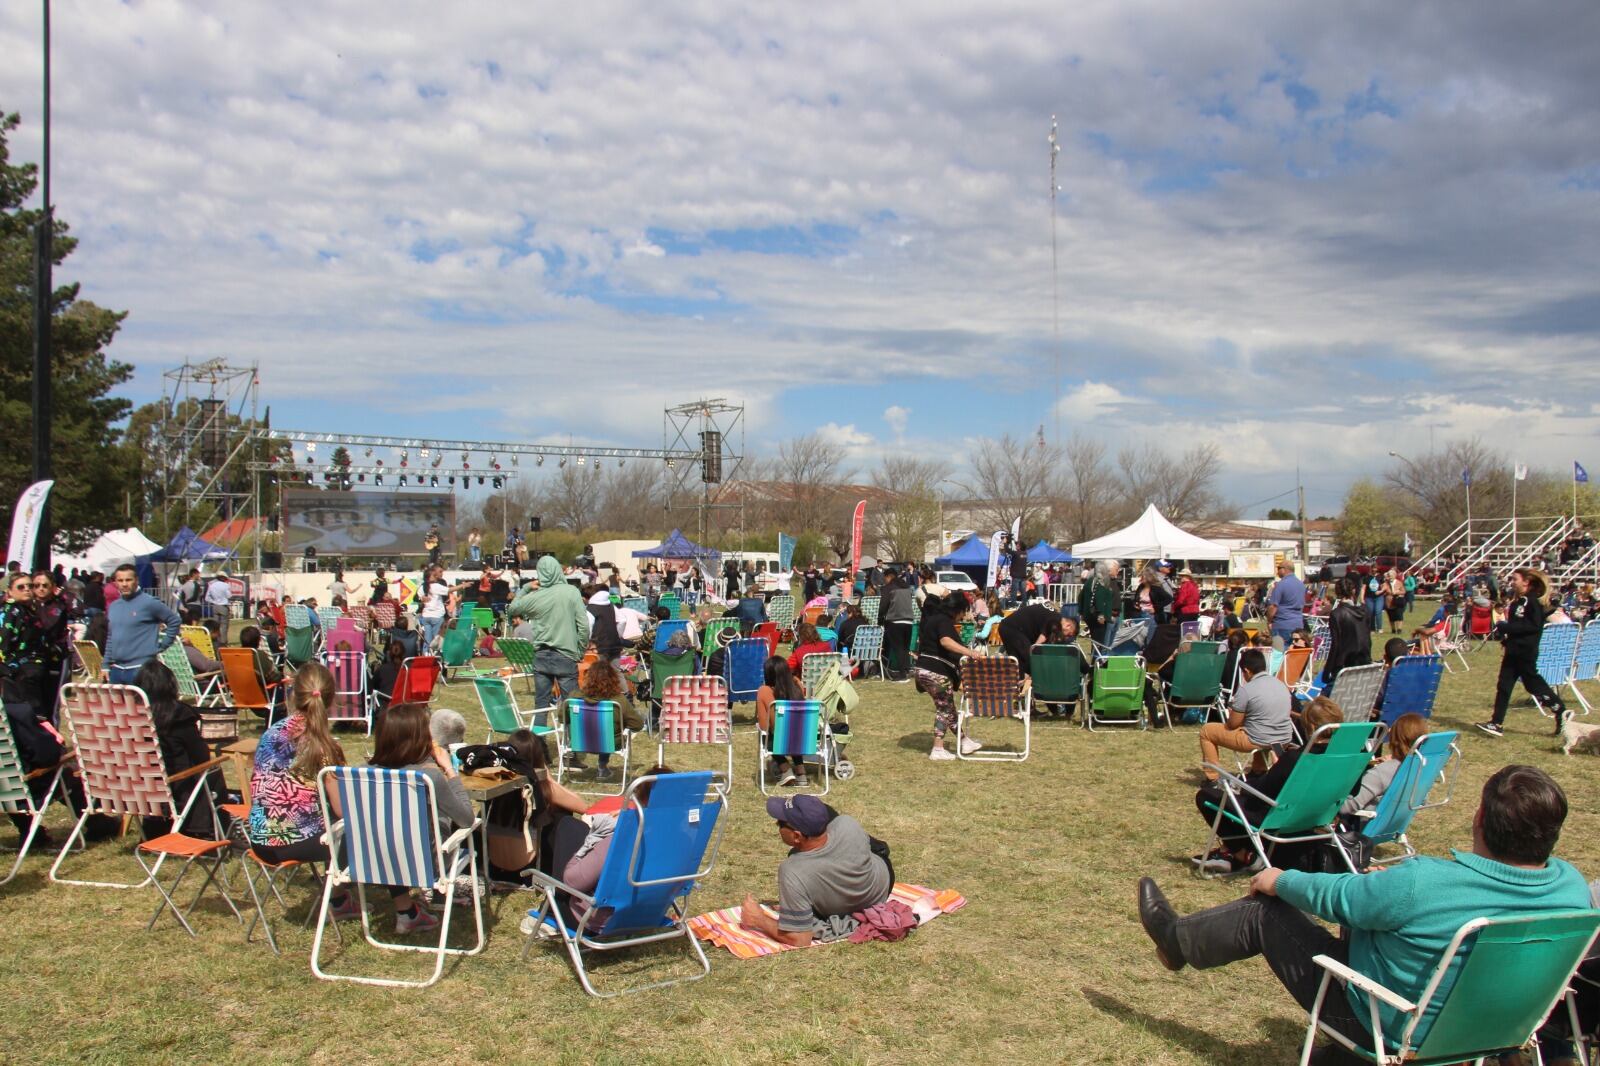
x: 468, y: 564
x: 533, y: 524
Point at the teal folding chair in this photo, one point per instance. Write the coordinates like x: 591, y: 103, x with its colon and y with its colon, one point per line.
x: 1057, y: 672
x: 1410, y: 791
x: 1196, y: 681
x: 502, y: 714
x: 519, y: 656
x: 460, y: 644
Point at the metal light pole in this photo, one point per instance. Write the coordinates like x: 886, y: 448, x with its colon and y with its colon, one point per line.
x: 42, y: 287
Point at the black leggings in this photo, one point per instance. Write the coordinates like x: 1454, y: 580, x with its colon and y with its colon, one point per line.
x: 1519, y: 666
x: 308, y: 851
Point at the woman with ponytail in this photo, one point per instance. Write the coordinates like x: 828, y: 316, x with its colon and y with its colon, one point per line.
x: 285, y: 817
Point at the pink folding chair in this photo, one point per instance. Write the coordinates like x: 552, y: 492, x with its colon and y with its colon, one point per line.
x: 694, y: 710
x: 351, y: 701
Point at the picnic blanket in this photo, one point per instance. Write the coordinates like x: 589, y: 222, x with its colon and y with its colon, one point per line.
x: 723, y: 928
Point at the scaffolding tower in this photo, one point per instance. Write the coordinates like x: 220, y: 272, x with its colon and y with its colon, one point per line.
x: 714, y: 429
x: 208, y: 411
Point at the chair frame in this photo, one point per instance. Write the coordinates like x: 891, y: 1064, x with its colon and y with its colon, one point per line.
x: 524, y: 719
x: 366, y: 699
x: 623, y: 747
x: 812, y: 673
x: 15, y: 796
x: 873, y: 644
x: 243, y: 698
x: 1413, y: 783
x: 1020, y: 704
x: 1083, y: 673
x: 1214, y: 705
x: 743, y: 646
x: 1388, y: 715
x: 1361, y: 710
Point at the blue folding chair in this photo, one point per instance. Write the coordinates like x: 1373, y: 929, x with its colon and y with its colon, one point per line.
x: 665, y: 630
x: 1412, y: 687
x: 1408, y: 793
x: 1586, y: 667
x: 1558, y: 657
x: 744, y: 668
x: 666, y: 828
x: 390, y: 837
x: 636, y: 603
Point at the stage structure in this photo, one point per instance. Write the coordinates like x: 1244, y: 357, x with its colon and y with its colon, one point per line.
x: 712, y: 431
x: 209, y: 416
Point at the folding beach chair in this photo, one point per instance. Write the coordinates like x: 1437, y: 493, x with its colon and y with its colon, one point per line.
x: 457, y: 648
x: 991, y: 688
x: 1422, y: 768
x: 1295, y: 669
x: 299, y: 645
x: 362, y: 616
x: 502, y: 714
x: 1558, y: 657
x: 780, y: 612
x: 694, y: 710
x: 1355, y: 689
x: 416, y: 681
x: 197, y: 636
x: 1304, y: 809
x: 1412, y: 687
x: 670, y: 601
x: 119, y: 760
x: 245, y: 690
x: 1450, y: 641
x: 346, y: 636
x: 866, y: 649
x: 384, y: 613
x: 352, y: 703
x: 636, y: 603
x: 769, y: 632
x: 744, y: 664
x: 813, y: 666
x: 1515, y: 971
x: 1116, y: 692
x: 1196, y: 681
x: 1586, y: 666
x: 589, y: 727
x: 275, y: 877
x: 799, y: 732
x: 1057, y: 672
x: 16, y: 798
x: 708, y: 637
x: 189, y: 686
x: 91, y: 666
x: 653, y: 865
x: 483, y: 619
x: 665, y: 667
x: 1480, y: 625
x: 665, y: 630
x: 869, y: 609
x: 519, y: 656
x: 390, y: 830
x: 813, y: 615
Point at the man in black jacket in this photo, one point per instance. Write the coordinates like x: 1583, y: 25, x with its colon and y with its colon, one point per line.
x: 1521, y: 630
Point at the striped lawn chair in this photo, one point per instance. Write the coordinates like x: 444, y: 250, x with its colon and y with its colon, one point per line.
x: 1450, y: 641
x: 1558, y: 657
x: 799, y: 731
x: 1355, y: 689
x: 347, y: 636
x: 296, y: 616
x: 1587, y: 665
x: 665, y: 630
x: 589, y: 727
x: 670, y: 601
x: 744, y: 667
x: 189, y: 687
x: 866, y: 647
x: 817, y: 664
x: 384, y: 613
x: 352, y: 702
x: 16, y: 798
x: 519, y: 656
x: 636, y: 603
x: 1412, y: 687
x: 780, y: 612
x: 390, y: 830
x: 503, y: 715
x: 330, y: 616
x: 708, y: 639
x: 654, y: 863
x: 869, y: 609
x: 119, y: 760
x: 91, y: 667
x: 694, y: 710
x: 991, y: 687
x: 362, y: 616
x: 199, y: 637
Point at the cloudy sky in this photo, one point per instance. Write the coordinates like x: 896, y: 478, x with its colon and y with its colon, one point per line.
x: 1313, y: 233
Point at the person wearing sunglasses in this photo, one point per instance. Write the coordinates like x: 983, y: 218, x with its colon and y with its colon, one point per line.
x: 22, y: 655
x: 56, y: 610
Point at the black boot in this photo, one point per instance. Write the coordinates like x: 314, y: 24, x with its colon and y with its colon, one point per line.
x: 1160, y: 922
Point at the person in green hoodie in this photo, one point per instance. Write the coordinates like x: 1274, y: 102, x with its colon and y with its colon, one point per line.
x: 560, y: 624
x: 1400, y: 918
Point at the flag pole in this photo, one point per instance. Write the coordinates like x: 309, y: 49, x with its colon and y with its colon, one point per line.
x: 1513, y: 503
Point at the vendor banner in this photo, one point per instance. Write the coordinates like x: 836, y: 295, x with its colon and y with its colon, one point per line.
x: 994, y: 557
x: 785, y: 551
x: 25, y: 523
x: 857, y: 524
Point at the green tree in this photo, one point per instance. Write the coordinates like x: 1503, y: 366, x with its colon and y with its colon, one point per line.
x: 1372, y: 521
x: 91, y: 493
x: 1280, y: 514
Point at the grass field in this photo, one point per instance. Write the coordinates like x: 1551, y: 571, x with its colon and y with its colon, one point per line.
x: 1047, y: 963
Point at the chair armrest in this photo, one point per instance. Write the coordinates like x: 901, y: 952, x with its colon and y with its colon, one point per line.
x: 1365, y: 983
x: 1238, y: 782
x: 208, y: 765
x: 555, y: 884
x: 460, y: 836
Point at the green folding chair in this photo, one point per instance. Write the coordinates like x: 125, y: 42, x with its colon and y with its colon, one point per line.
x: 482, y: 617
x: 1057, y: 671
x: 519, y: 656
x: 1116, y: 692
x: 300, y: 646
x: 1304, y: 809
x: 1196, y: 681
x: 671, y: 602
x: 663, y: 667
x: 457, y: 649
x: 500, y: 710
x: 1493, y: 987
x: 708, y: 642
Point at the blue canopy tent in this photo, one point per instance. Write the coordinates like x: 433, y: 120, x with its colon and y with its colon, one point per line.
x: 1044, y: 552
x: 973, y: 552
x: 186, y: 546
x: 677, y: 546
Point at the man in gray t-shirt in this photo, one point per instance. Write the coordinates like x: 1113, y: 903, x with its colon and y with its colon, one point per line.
x: 830, y: 871
x: 1258, y: 719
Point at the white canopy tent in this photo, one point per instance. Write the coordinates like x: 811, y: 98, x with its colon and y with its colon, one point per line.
x: 110, y: 551
x: 1151, y: 536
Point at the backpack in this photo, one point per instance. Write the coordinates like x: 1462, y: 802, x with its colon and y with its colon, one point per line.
x: 837, y: 695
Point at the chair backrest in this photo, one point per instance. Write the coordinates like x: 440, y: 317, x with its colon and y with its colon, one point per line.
x: 459, y: 644
x: 1117, y: 686
x: 709, y: 642
x: 296, y: 616
x: 89, y: 658
x: 591, y: 726
x: 1558, y: 652
x: 867, y: 645
x: 769, y: 632
x: 744, y: 667
x: 349, y: 669
x: 670, y: 601
x: 1408, y: 793
x: 780, y: 610
x: 362, y: 616
x: 813, y: 666
x: 414, y: 684
x: 384, y: 613
x: 812, y: 615
x: 299, y: 645
x: 347, y: 636
x: 796, y: 727
x: 1355, y: 689
x: 636, y: 603
x: 1322, y: 780
x: 518, y: 653
x: 1296, y: 661
x: 657, y: 852
x: 239, y: 668
x: 694, y: 710
x: 14, y: 795
x: 1513, y: 972
x: 1412, y: 686
x: 199, y: 636
x: 1480, y: 620
x: 390, y: 824
x: 869, y: 609
x: 119, y: 758
x: 173, y: 658
x: 989, y: 685
x: 665, y: 630
x: 1587, y: 666
x: 330, y: 615
x: 483, y: 618
x: 1197, y: 675
x: 663, y: 668
x: 1057, y: 671
x: 498, y: 703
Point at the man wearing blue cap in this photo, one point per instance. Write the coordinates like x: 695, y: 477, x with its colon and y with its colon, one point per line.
x: 830, y: 871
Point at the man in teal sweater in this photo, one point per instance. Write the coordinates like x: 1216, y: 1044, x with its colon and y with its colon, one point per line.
x: 1401, y: 918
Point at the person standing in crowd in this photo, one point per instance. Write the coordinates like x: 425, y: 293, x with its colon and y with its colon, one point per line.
x: 219, y: 594
x: 141, y: 626
x: 1395, y: 589
x: 1375, y: 601
x: 559, y: 625
x: 1186, y: 600
x: 1349, y: 638
x: 1097, y: 602
x: 431, y: 541
x: 22, y: 650
x: 1521, y: 631
x: 899, y: 604
x: 1286, y: 603
x: 337, y: 589
x: 55, y: 610
x: 1410, y: 583
x: 1155, y: 602
x: 603, y: 630
x: 1019, y: 573
x: 380, y: 588
x: 435, y: 592
x: 192, y: 591
x: 938, y: 672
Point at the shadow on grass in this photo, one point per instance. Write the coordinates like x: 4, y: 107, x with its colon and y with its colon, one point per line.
x: 1281, y: 1045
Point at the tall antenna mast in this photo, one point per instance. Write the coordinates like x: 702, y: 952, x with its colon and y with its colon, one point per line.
x: 1055, y: 275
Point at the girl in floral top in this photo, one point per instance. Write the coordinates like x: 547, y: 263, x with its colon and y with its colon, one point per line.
x: 285, y: 817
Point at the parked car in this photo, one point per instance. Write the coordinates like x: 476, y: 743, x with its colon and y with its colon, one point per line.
x: 955, y: 579
x: 1335, y: 568
x: 1384, y: 563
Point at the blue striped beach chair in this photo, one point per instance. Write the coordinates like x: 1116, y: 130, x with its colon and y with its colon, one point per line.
x: 390, y: 832
x: 798, y: 731
x: 744, y: 668
x: 1558, y: 657
x: 1412, y: 687
x: 589, y: 727
x: 1587, y: 665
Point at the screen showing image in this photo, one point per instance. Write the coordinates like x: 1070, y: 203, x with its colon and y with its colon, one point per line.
x: 365, y: 523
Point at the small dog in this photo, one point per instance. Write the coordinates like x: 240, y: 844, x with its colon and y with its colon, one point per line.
x: 1575, y: 735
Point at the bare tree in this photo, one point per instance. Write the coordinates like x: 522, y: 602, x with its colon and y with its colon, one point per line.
x: 571, y: 498
x: 909, y: 516
x: 1431, y: 491
x: 808, y: 472
x: 1014, y: 477
x: 1183, y: 487
x: 1089, y: 491
x: 632, y: 498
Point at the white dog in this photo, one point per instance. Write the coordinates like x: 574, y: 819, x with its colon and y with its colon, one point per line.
x: 1579, y: 736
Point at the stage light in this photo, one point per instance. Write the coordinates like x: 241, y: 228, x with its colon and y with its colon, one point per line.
x: 452, y: 479
x: 402, y: 481
x: 464, y: 458
x: 620, y: 462
x: 480, y: 479
x: 369, y: 453
x: 433, y: 482
x: 361, y: 478
x: 538, y: 460
x: 513, y: 460
x: 405, y: 458
x: 424, y: 453
x: 377, y: 479
x: 672, y: 464
x: 311, y: 448
x: 498, y: 483
x: 273, y: 479
x: 580, y: 460
x: 437, y: 460
x: 563, y: 462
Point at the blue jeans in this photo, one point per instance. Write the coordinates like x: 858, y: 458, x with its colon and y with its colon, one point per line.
x: 475, y: 552
x: 122, y: 675
x: 430, y: 629
x: 550, y: 668
x: 1375, y: 613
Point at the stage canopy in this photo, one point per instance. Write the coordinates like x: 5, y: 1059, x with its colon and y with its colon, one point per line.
x: 677, y: 546
x: 1044, y: 552
x: 187, y: 546
x: 1151, y: 536
x: 975, y: 552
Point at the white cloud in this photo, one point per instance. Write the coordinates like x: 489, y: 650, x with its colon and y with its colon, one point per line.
x: 895, y: 417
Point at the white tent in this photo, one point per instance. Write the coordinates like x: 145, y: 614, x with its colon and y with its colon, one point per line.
x: 1150, y: 537
x: 111, y: 551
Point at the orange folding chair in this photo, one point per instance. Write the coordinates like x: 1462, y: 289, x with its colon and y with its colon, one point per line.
x: 245, y: 688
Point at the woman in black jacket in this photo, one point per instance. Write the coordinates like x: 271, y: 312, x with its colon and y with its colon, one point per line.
x: 1521, y: 630
x: 182, y: 748
x: 1349, y: 635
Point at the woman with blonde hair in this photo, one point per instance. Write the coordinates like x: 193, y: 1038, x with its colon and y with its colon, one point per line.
x: 1404, y: 735
x: 1521, y: 630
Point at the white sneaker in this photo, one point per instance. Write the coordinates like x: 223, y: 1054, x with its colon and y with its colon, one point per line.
x: 969, y: 745
x: 939, y: 754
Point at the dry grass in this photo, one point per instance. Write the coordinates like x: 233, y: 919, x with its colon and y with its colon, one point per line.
x: 1047, y: 962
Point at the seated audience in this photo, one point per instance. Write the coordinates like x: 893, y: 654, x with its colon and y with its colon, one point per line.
x: 1407, y: 730
x: 1259, y: 718
x: 521, y: 825
x: 780, y: 685
x: 601, y: 682
x: 831, y: 871
x: 806, y: 642
x: 267, y: 671
x: 182, y: 748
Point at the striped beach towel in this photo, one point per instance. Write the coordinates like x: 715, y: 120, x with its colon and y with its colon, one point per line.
x: 723, y: 928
